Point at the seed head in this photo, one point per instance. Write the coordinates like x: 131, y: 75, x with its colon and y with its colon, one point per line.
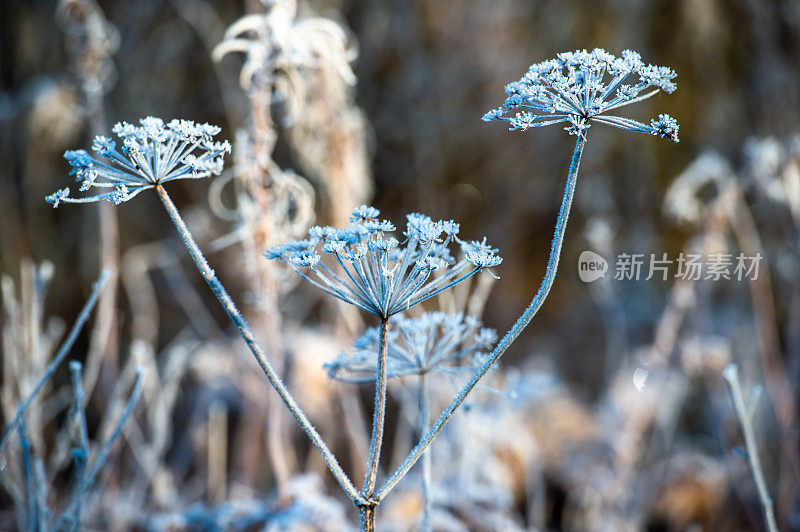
x: 581, y: 87
x: 372, y: 270
x: 149, y: 154
x: 434, y: 341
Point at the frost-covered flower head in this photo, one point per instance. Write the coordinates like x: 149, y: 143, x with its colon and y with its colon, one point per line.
x: 580, y: 87
x: 150, y: 154
x: 435, y: 341
x: 375, y: 272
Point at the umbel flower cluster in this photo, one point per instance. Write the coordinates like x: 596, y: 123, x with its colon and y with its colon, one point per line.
x: 432, y: 342
x: 581, y: 87
x: 150, y: 154
x: 377, y: 273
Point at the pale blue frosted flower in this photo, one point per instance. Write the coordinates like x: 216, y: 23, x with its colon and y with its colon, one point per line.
x: 58, y: 196
x: 104, y: 146
x: 373, y: 271
x: 150, y: 154
x: 364, y: 213
x: 665, y: 127
x: 434, y: 341
x: 580, y: 87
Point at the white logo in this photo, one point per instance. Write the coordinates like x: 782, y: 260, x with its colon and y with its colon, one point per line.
x: 591, y: 266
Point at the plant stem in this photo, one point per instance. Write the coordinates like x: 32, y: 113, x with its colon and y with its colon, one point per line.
x: 247, y: 335
x: 745, y: 415
x: 378, y: 416
x: 511, y: 335
x: 90, y: 475
x: 81, y: 453
x: 424, y: 425
x: 30, y: 482
x: 366, y: 518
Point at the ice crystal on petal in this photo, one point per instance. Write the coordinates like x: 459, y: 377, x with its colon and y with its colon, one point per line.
x: 481, y: 254
x: 494, y: 114
x: 364, y: 213
x: 58, y: 196
x: 665, y: 127
x: 104, y: 146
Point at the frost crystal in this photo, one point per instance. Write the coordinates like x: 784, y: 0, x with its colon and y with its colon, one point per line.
x: 432, y: 342
x: 373, y: 271
x: 579, y: 87
x: 149, y: 154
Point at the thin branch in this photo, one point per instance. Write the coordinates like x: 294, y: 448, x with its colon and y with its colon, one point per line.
x: 30, y: 481
x: 745, y: 415
x: 80, y: 454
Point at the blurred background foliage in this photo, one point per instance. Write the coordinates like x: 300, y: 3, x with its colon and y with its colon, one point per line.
x: 427, y: 70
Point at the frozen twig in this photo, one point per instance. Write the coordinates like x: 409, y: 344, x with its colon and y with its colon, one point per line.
x: 30, y: 481
x: 80, y: 454
x: 41, y: 494
x: 745, y: 414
